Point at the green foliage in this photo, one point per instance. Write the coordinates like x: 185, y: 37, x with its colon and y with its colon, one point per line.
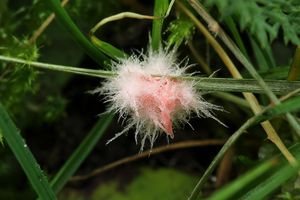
x: 16, y: 81
x: 163, y: 183
x: 290, y: 190
x: 264, y: 19
x: 181, y: 31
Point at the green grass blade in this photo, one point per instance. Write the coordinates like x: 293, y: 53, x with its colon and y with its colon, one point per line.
x: 80, y: 154
x: 271, y: 183
x: 108, y: 49
x: 268, y: 53
x: 24, y: 156
x: 244, y: 85
x: 160, y: 9
x: 260, y: 58
x: 236, y: 35
x: 261, y: 181
x: 68, y: 23
x: 229, y: 192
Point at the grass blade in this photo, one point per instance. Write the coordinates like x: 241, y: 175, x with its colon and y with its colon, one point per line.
x: 230, y: 191
x: 68, y: 23
x: 263, y: 65
x: 160, y: 9
x: 24, y: 156
x: 271, y: 183
x: 80, y: 154
x: 202, y: 83
x: 236, y: 35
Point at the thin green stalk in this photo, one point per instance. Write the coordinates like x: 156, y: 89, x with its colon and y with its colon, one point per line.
x: 24, y: 156
x: 68, y: 23
x: 202, y: 83
x: 61, y: 68
x: 160, y: 10
x: 270, y: 112
x: 80, y: 154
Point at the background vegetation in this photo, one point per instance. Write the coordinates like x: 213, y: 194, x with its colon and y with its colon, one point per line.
x: 53, y: 138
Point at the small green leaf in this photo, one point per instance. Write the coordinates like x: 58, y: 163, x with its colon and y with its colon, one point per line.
x: 181, y: 30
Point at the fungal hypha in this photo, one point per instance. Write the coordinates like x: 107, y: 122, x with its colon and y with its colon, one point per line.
x: 146, y: 94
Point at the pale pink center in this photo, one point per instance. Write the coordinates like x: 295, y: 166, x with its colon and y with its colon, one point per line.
x: 158, y: 101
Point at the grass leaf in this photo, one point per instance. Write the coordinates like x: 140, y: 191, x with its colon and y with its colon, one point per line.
x: 24, y: 156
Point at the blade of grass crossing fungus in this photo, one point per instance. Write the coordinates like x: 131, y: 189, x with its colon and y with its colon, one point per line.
x: 24, y: 156
x: 80, y: 154
x: 202, y: 83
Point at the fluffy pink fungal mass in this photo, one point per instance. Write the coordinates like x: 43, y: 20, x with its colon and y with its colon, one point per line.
x: 150, y: 102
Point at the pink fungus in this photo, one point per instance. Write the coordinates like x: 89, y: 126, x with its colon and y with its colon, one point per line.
x: 143, y: 93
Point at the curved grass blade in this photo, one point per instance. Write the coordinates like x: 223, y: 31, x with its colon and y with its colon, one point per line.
x: 108, y: 49
x: 80, y: 154
x: 24, y: 156
x: 68, y: 23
